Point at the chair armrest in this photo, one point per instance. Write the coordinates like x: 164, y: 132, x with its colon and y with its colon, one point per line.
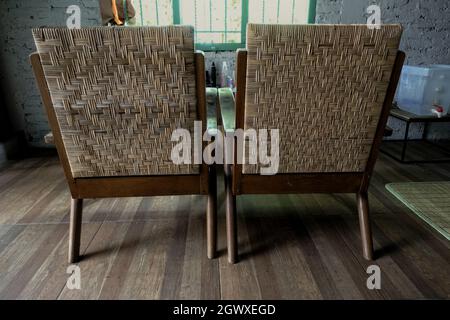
x: 227, y: 109
x: 211, y: 111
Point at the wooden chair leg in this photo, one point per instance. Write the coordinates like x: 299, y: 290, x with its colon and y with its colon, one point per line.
x: 364, y: 224
x: 211, y: 214
x: 76, y: 211
x: 232, y: 240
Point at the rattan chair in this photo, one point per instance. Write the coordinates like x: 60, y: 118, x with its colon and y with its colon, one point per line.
x: 328, y: 89
x: 113, y: 97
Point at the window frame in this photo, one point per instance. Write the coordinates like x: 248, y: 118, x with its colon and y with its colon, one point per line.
x: 244, y: 21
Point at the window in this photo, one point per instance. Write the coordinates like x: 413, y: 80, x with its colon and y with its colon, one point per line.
x: 154, y: 12
x: 217, y: 23
x: 221, y: 24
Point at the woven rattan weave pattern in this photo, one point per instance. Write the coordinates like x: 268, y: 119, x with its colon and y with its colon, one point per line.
x: 118, y: 94
x: 323, y: 87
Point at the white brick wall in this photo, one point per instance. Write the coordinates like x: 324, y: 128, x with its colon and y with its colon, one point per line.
x: 426, y: 22
x: 17, y: 18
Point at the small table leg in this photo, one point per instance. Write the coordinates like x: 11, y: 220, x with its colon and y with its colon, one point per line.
x: 405, y: 142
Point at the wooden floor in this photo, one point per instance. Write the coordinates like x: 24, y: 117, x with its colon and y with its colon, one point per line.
x: 419, y: 150
x: 293, y: 247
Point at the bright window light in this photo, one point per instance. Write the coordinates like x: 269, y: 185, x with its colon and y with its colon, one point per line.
x: 278, y: 11
x: 153, y: 12
x: 221, y: 24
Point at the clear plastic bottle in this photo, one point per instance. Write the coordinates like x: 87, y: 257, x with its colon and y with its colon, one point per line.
x: 224, y: 75
x: 213, y: 75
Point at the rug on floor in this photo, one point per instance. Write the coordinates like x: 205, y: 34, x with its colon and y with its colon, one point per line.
x: 428, y: 200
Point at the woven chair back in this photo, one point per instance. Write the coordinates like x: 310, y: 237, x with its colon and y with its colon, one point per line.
x: 323, y: 87
x: 118, y: 94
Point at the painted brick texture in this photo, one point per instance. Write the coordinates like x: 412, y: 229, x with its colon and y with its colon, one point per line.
x: 21, y: 96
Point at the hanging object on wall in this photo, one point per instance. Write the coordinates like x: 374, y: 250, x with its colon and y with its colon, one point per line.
x: 116, y: 12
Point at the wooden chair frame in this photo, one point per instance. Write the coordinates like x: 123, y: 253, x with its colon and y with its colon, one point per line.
x: 203, y: 183
x: 237, y: 183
